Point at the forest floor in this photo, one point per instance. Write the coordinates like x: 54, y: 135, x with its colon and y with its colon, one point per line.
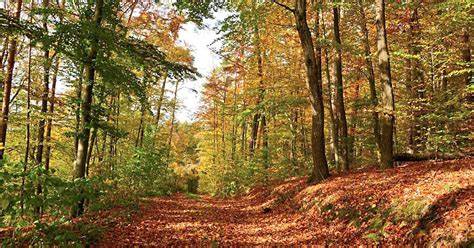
x: 415, y: 203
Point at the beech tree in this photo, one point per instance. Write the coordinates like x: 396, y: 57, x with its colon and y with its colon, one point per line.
x: 339, y: 101
x: 94, y: 94
x: 320, y: 168
x: 387, y: 119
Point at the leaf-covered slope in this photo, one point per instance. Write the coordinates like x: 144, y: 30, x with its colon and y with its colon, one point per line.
x: 419, y: 202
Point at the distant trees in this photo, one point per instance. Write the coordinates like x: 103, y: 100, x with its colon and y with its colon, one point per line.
x: 295, y: 58
x: 86, y: 49
x: 314, y: 69
x: 107, y: 74
x: 340, y: 113
x: 370, y: 74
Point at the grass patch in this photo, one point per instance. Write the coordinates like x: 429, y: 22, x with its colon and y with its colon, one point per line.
x: 412, y: 209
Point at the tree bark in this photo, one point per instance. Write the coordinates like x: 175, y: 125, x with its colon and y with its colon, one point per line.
x: 466, y: 54
x: 78, y: 110
x: 7, y: 85
x: 353, y: 127
x: 266, y: 155
x: 234, y: 121
x: 175, y: 102
x: 49, y: 125
x: 91, y: 148
x: 28, y: 129
x: 224, y: 99
x: 141, y: 128
x: 160, y: 100
x: 387, y: 118
x: 340, y: 108
x: 258, y: 116
x: 332, y: 106
x: 44, y: 99
x: 214, y: 126
x: 243, y: 141
x: 83, y: 143
x: 320, y: 168
x: 4, y: 54
x: 294, y: 139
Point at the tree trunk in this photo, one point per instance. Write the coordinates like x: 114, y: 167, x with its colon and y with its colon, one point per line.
x: 352, y: 132
x: 4, y: 54
x: 370, y: 78
x: 444, y: 80
x: 466, y: 54
x: 49, y: 125
x: 83, y: 143
x: 7, y: 86
x: 320, y: 168
x: 105, y: 133
x: 78, y: 110
x: 317, y: 33
x: 334, y: 126
x: 340, y: 108
x: 160, y: 100
x: 387, y: 118
x: 223, y: 122
x: 91, y: 148
x: 332, y: 106
x: 234, y: 121
x: 214, y: 126
x: 175, y: 102
x: 304, y: 137
x: 141, y: 128
x: 294, y: 139
x: 266, y: 157
x: 243, y: 141
x: 28, y: 129
x: 44, y: 106
x: 254, y: 133
x: 113, y: 142
x: 258, y: 116
x: 44, y: 98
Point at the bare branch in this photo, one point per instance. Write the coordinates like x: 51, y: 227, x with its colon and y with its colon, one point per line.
x: 284, y: 6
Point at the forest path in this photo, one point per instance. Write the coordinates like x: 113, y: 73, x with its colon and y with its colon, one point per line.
x: 180, y: 220
x: 339, y: 211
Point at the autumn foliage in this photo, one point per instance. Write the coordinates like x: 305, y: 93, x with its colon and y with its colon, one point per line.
x: 418, y: 203
x: 322, y: 122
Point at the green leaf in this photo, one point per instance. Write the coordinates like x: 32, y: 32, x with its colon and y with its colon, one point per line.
x: 4, y: 203
x: 373, y: 236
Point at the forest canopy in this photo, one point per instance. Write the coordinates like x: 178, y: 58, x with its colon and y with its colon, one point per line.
x: 306, y: 89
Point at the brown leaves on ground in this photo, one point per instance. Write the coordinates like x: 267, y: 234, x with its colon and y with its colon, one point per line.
x: 417, y: 203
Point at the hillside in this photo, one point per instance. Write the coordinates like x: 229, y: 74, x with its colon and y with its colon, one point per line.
x: 423, y: 203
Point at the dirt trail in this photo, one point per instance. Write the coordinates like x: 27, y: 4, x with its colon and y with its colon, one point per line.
x: 182, y: 221
x: 340, y: 211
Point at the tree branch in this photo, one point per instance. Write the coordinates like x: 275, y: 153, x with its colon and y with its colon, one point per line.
x: 284, y: 6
